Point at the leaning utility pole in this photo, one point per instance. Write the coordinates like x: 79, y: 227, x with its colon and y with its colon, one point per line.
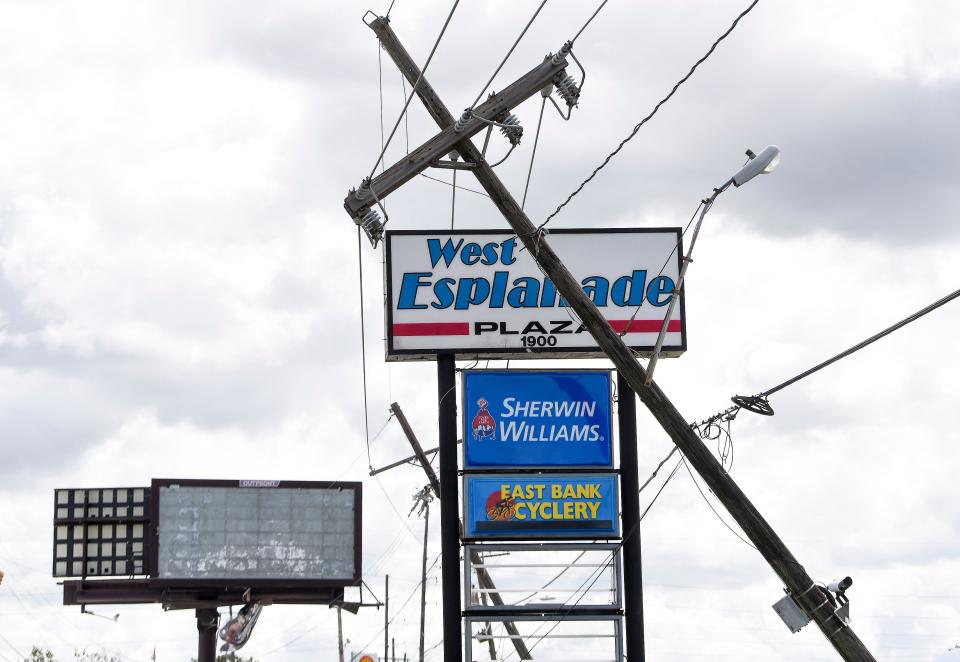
x: 483, y: 577
x: 809, y: 596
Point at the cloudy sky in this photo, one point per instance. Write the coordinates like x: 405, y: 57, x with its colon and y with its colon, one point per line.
x: 179, y: 293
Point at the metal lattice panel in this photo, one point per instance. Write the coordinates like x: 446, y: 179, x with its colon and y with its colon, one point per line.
x: 101, y: 532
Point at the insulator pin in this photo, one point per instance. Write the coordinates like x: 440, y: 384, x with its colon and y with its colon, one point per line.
x: 371, y: 225
x: 461, y: 123
x: 511, y: 129
x: 567, y: 89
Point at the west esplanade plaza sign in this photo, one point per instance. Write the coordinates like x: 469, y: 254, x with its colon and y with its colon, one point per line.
x: 479, y: 291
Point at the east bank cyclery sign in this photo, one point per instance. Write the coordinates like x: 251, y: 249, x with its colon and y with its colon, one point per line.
x: 479, y: 293
x: 541, y: 506
x: 537, y: 419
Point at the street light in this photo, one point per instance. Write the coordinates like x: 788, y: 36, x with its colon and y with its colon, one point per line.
x: 757, y: 164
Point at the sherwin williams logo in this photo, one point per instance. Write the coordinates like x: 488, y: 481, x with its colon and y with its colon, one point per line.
x: 484, y: 427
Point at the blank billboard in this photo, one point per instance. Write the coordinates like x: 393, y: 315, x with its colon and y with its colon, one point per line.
x: 258, y: 530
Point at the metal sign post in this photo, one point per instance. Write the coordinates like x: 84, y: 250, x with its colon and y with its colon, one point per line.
x: 449, y: 517
x: 630, y: 509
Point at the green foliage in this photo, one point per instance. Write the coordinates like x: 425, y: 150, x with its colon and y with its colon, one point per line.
x: 43, y: 655
x: 40, y: 655
x: 87, y: 656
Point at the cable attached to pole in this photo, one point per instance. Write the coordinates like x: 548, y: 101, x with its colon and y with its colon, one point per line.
x: 651, y: 113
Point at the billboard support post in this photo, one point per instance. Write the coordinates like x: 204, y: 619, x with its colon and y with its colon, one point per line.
x: 630, y: 507
x: 791, y: 572
x: 449, y: 515
x: 207, y: 620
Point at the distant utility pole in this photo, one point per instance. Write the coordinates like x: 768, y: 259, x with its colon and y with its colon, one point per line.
x: 811, y: 598
x: 386, y: 617
x: 425, y: 496
x: 483, y: 577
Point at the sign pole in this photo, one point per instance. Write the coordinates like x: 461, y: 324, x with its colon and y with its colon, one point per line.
x: 207, y: 620
x: 449, y: 517
x: 630, y: 506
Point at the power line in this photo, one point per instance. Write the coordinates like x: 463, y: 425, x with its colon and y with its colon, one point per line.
x: 462, y: 188
x: 707, y: 501
x: 652, y: 112
x: 402, y: 607
x: 662, y: 487
x: 589, y: 20
x: 872, y: 339
x: 363, y: 350
x: 673, y: 250
x: 533, y: 154
x: 759, y: 401
x: 509, y: 52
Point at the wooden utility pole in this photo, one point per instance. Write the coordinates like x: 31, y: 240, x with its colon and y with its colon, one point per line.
x: 811, y: 598
x: 423, y: 573
x: 386, y: 616
x: 483, y: 577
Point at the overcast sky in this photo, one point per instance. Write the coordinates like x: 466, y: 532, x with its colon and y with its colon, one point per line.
x: 179, y: 293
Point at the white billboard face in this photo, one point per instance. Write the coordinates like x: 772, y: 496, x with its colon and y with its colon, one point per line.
x: 479, y: 294
x: 273, y: 533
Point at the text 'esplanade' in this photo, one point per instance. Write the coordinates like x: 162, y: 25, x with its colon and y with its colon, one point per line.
x: 420, y: 290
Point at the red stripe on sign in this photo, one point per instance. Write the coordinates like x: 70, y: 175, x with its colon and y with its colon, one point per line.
x: 644, y: 326
x: 432, y: 329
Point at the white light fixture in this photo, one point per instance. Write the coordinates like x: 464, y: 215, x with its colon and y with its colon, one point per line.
x: 759, y: 164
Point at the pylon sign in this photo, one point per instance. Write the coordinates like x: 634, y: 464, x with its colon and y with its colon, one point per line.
x: 537, y: 419
x: 541, y: 506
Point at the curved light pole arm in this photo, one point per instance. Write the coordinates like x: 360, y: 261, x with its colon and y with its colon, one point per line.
x: 677, y: 290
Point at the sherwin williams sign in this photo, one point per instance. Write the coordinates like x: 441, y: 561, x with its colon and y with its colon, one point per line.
x: 543, y: 506
x: 536, y: 419
x: 479, y: 294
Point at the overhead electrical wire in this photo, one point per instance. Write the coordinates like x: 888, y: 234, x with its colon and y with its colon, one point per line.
x: 462, y: 188
x: 533, y: 154
x: 509, y: 53
x: 761, y: 397
x: 707, y: 501
x: 413, y: 90
x: 650, y: 115
x: 589, y: 20
x: 363, y: 349
x: 856, y: 348
x: 403, y: 606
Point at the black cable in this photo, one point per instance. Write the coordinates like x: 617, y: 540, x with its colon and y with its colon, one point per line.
x: 657, y: 495
x: 902, y: 323
x: 413, y: 91
x: 730, y: 412
x: 462, y: 188
x: 509, y: 52
x: 659, y: 467
x: 651, y: 114
x: 589, y: 20
x: 707, y: 501
x: 533, y: 154
x: 363, y: 349
x: 626, y: 327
